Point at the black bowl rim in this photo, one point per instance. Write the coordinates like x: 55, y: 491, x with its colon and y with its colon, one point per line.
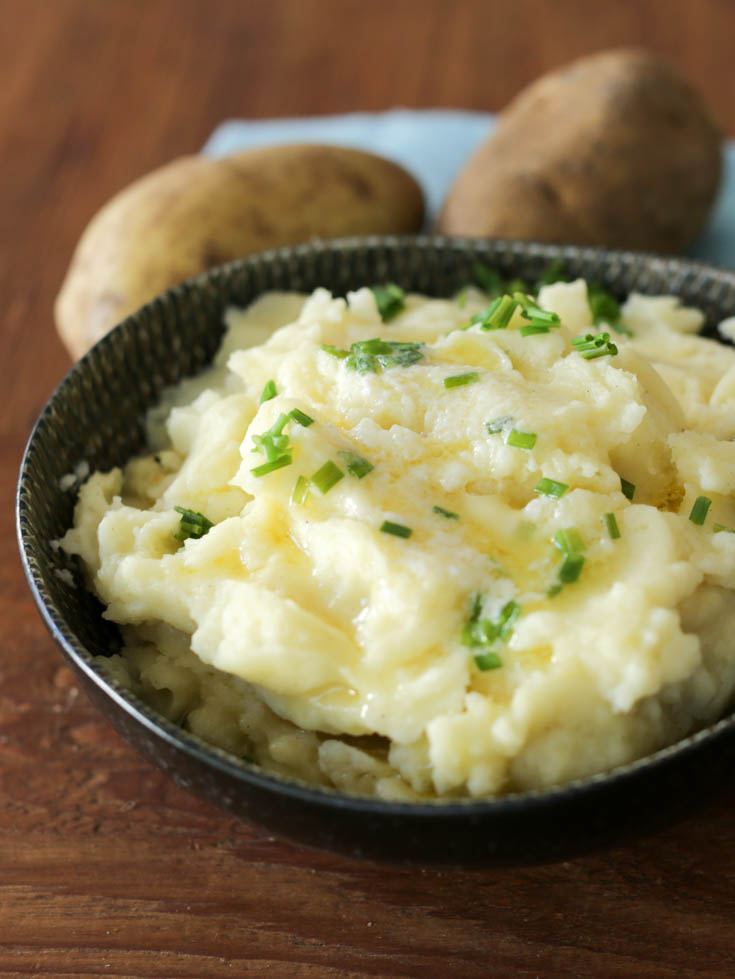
x: 298, y: 789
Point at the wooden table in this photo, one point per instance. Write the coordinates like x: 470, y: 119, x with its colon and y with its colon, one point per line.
x: 106, y: 868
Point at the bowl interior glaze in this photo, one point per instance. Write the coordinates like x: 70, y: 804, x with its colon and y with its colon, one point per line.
x: 94, y: 420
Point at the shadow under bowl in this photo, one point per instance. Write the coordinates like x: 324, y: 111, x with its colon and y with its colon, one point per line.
x: 95, y: 419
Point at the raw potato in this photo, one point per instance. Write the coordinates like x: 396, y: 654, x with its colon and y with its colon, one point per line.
x: 615, y: 149
x: 197, y: 212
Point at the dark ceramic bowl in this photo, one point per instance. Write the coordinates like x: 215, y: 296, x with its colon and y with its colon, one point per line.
x: 96, y: 416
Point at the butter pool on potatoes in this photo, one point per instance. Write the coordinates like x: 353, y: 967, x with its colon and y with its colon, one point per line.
x: 304, y: 637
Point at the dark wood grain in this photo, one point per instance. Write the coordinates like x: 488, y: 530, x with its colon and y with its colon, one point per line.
x: 106, y: 868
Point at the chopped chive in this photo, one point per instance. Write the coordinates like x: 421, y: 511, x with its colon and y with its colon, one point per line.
x: 610, y: 349
x: 355, y: 465
x: 554, y: 590
x: 550, y: 487
x: 534, y: 329
x: 445, y: 513
x: 479, y: 632
x: 390, y: 300
x: 720, y: 528
x: 300, y: 490
x: 327, y: 476
x: 269, y: 467
x: 192, y: 524
x: 570, y: 543
x: 699, y: 510
x: 612, y: 526
x: 498, y: 424
x: 521, y: 440
x: 461, y: 297
x: 397, y: 529
x: 593, y: 345
x: 335, y: 351
x: 508, y: 615
x: 269, y: 391
x: 273, y: 443
x: 498, y: 314
x: 476, y: 607
x: 301, y: 417
x: 487, y: 661
x: 483, y: 315
x: 376, y: 355
x: 489, y: 280
x: 571, y: 568
x: 568, y: 540
x: 531, y: 310
x: 458, y: 380
x: 626, y: 488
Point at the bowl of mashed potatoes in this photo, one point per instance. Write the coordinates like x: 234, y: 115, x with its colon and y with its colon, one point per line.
x: 421, y: 549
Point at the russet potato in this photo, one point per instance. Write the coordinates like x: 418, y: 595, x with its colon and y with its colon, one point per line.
x: 196, y: 212
x: 615, y: 149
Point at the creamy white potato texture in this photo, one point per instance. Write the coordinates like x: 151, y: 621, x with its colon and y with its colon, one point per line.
x: 493, y: 552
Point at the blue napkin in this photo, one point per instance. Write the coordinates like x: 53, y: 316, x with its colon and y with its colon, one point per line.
x: 433, y: 145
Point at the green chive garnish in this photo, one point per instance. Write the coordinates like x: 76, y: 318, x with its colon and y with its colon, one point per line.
x: 508, y: 614
x: 498, y: 424
x: 192, y: 524
x: 327, y: 476
x: 273, y: 443
x: 269, y: 391
x: 612, y: 526
x: 390, y: 300
x: 720, y: 528
x: 498, y: 314
x: 445, y: 513
x: 301, y: 417
x: 487, y: 661
x: 300, y: 490
x: 335, y: 351
x: 397, y: 529
x: 355, y: 465
x: 626, y: 488
x: 550, y: 487
x: 375, y: 355
x: 531, y: 310
x: 479, y: 632
x: 269, y: 467
x: 521, y: 440
x: 593, y: 345
x: 699, y: 510
x: 458, y: 380
x: 568, y: 540
x: 571, y: 568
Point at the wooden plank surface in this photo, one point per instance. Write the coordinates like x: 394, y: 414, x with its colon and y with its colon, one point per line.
x: 106, y: 868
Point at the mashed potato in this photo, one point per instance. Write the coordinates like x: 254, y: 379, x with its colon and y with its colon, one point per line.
x: 474, y: 558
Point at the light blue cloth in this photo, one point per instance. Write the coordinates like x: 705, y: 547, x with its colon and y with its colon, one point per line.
x: 434, y: 145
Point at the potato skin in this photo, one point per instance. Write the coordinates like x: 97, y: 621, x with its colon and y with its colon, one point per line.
x: 196, y: 212
x: 616, y: 149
